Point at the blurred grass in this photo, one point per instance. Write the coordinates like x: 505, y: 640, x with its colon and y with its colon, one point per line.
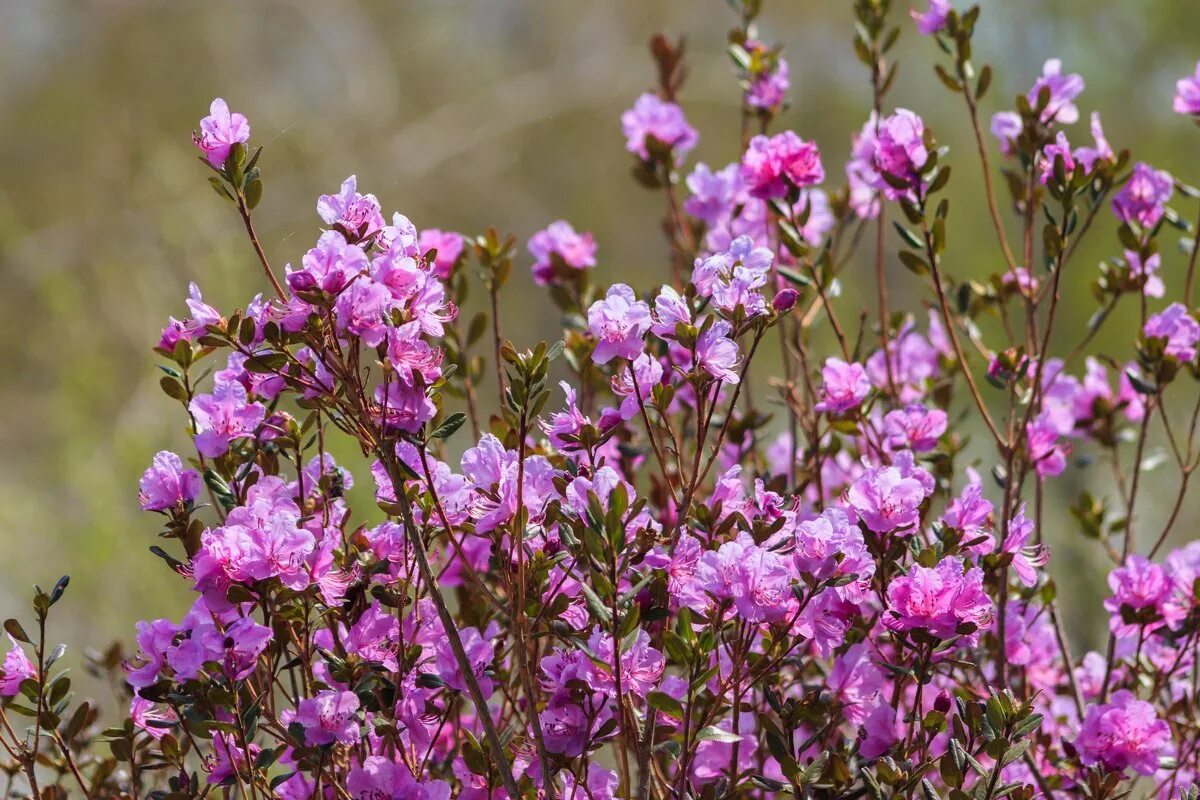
x: 461, y: 115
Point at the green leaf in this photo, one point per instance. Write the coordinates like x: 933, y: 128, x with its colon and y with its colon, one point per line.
x: 712, y: 733
x: 447, y: 428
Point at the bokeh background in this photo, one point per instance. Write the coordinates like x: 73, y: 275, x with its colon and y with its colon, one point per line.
x: 462, y: 115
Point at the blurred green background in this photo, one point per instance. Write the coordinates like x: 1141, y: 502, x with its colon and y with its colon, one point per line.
x: 461, y: 115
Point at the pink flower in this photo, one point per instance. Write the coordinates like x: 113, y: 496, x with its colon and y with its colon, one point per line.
x: 1179, y: 328
x: 1089, y: 156
x: 449, y: 247
x: 166, y: 484
x: 16, y: 668
x: 944, y: 601
x: 1006, y: 127
x: 380, y: 778
x: 224, y: 416
x: 773, y: 166
x: 844, y: 386
x: 899, y: 151
x: 618, y: 322
x: 886, y: 500
x: 1059, y: 148
x: 653, y: 118
x: 1145, y: 589
x: 768, y: 91
x: 915, y: 427
x: 227, y: 758
x: 648, y: 373
x: 1124, y: 733
x: 559, y: 243
x: 329, y: 717
x: 329, y: 266
x: 361, y: 309
x: 1046, y: 450
x: 402, y: 407
x: 411, y: 356
x: 481, y: 653
x: 717, y: 354
x: 713, y: 193
x: 219, y: 132
x: 155, y: 719
x: 757, y: 580
x: 1143, y: 199
x: 1187, y: 94
x: 1145, y: 272
x: 641, y: 665
x: 1063, y: 89
x: 356, y: 216
x: 934, y: 19
x: 1026, y: 558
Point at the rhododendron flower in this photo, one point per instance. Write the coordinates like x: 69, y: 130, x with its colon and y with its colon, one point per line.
x: 1060, y: 148
x: 1187, y: 94
x: 153, y: 718
x: 772, y: 166
x: 380, y: 777
x: 1062, y: 89
x: 1090, y: 156
x: 602, y: 784
x: 1026, y: 559
x: 1179, y: 328
x: 713, y: 194
x: 844, y: 387
x: 1143, y: 199
x: 219, y: 132
x: 717, y: 354
x: 1146, y: 271
x: 166, y: 484
x: 357, y: 216
x: 933, y: 20
x: 329, y: 266
x: 654, y: 118
x: 412, y: 356
x: 1140, y: 586
x: 648, y: 373
x: 448, y: 246
x: 402, y: 407
x: 618, y: 322
x: 1046, y: 451
x: 329, y: 717
x: 16, y: 668
x: 223, y: 417
x: 939, y: 600
x: 768, y: 90
x: 1124, y: 733
x: 898, y: 150
x: 1006, y: 127
x: 559, y: 240
x: 361, y: 309
x: 886, y: 500
x: 757, y: 580
x: 915, y: 427
x: 641, y: 665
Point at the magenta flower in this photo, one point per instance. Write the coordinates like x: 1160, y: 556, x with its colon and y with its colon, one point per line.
x: 411, y: 356
x: 886, y: 500
x: 1140, y: 586
x: 1047, y: 452
x: 940, y: 600
x: 219, y: 132
x: 915, y: 427
x: 1179, y: 328
x: 1187, y: 94
x: 900, y: 151
x: 757, y: 580
x: 361, y: 309
x: 576, y: 251
x: 653, y: 118
x: 773, y: 166
x: 449, y: 247
x: 224, y: 416
x: 1090, y: 156
x: 641, y: 665
x: 403, y: 407
x: 329, y: 717
x: 844, y: 386
x: 16, y: 668
x: 1063, y: 89
x: 768, y: 91
x: 1026, y: 558
x: 717, y: 354
x: 648, y: 373
x: 1143, y: 199
x: 1124, y: 733
x: 383, y: 779
x: 166, y: 484
x: 481, y: 653
x: 618, y: 322
x: 1146, y: 272
x: 713, y: 194
x: 670, y: 309
x: 329, y: 266
x: 933, y: 20
x: 152, y: 718
x: 1006, y: 127
x: 228, y: 758
x: 1059, y: 148
x: 355, y: 215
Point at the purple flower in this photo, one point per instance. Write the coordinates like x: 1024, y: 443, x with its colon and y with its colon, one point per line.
x: 939, y: 601
x: 1144, y: 197
x: 380, y: 778
x: 844, y: 386
x: 772, y: 166
x: 329, y: 718
x: 1089, y: 156
x: 1007, y: 126
x: 1059, y: 148
x: 480, y: 654
x: 757, y: 580
x: 1179, y: 328
x: 1124, y: 733
x: 713, y: 193
x: 361, y: 309
x: 641, y: 665
x: 934, y: 19
x: 219, y: 132
x: 1145, y: 272
x: 1063, y: 89
x: 449, y: 247
x: 654, y: 118
x: 717, y: 354
x: 411, y: 356
x: 329, y: 266
x: 1025, y: 558
x: 915, y: 427
x: 648, y: 373
x: 146, y: 714
x: 16, y: 668
x: 768, y: 90
x: 1046, y: 450
x: 403, y: 407
x: 576, y: 251
x: 1187, y: 94
x: 886, y: 500
x: 166, y: 484
x: 670, y: 309
x: 900, y: 151
x: 618, y: 322
x: 1140, y: 586
x: 223, y: 416
x: 355, y: 215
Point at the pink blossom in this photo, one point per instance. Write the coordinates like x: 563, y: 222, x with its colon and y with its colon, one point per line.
x: 618, y: 322
x: 717, y: 354
x: 411, y: 356
x: 166, y: 484
x: 713, y: 194
x: 356, y: 216
x: 329, y: 266
x: 1124, y: 733
x: 1179, y: 328
x: 773, y: 166
x: 939, y: 600
x: 380, y: 778
x: 329, y: 717
x: 1187, y: 94
x: 933, y: 20
x: 559, y: 243
x: 844, y: 387
x: 886, y: 500
x: 768, y: 90
x: 1143, y: 199
x: 16, y: 668
x: 449, y: 247
x: 219, y: 132
x: 1062, y: 89
x: 1146, y: 273
x: 1143, y: 588
x: 223, y: 417
x: 654, y: 118
x: 361, y: 309
x: 757, y: 580
x: 915, y: 427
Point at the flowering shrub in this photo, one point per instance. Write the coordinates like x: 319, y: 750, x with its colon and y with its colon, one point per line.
x: 647, y: 586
